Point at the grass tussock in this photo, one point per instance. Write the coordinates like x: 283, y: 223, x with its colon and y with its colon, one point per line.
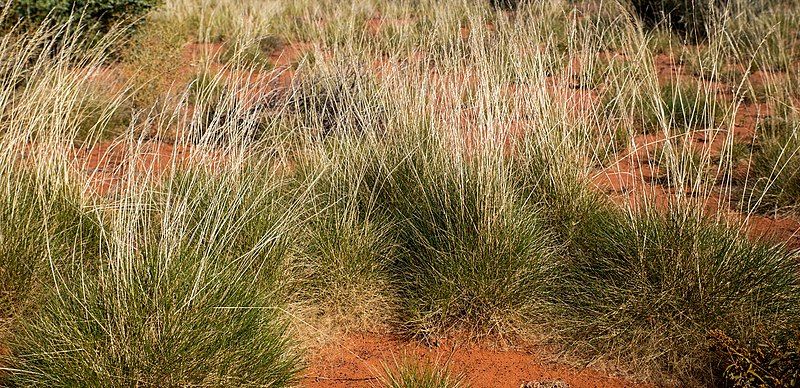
x: 460, y: 248
x: 415, y: 374
x: 155, y: 307
x: 347, y: 247
x: 651, y: 287
x: 476, y: 255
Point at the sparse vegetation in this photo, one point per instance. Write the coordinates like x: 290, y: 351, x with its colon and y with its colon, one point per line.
x: 237, y: 183
x: 775, y: 170
x: 681, y: 107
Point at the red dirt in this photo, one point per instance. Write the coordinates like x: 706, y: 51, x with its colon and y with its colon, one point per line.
x: 634, y: 176
x: 783, y: 229
x: 360, y: 360
x: 375, y: 24
x: 106, y: 164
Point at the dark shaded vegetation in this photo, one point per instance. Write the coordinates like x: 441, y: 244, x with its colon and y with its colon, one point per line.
x: 691, y: 19
x: 98, y: 15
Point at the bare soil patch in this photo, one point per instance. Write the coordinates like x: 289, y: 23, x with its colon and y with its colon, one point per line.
x: 359, y: 360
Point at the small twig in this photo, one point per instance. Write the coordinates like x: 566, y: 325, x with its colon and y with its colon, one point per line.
x: 317, y: 378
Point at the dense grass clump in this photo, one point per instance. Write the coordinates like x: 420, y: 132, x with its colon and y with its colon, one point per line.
x: 569, y: 207
x: 345, y: 269
x: 41, y: 226
x: 346, y: 248
x: 475, y: 254
x: 199, y: 307
x: 471, y: 262
x: 157, y: 328
x: 650, y: 287
x: 461, y: 248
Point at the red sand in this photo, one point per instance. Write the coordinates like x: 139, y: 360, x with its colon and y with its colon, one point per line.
x: 359, y: 360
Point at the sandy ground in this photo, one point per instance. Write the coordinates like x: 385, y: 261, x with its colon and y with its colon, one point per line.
x: 359, y: 360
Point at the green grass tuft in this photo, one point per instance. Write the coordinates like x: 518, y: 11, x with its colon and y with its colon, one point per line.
x: 42, y: 227
x: 415, y: 374
x: 682, y: 106
x: 198, y: 307
x: 650, y: 287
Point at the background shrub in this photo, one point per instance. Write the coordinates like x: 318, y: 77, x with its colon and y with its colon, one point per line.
x: 688, y: 18
x: 101, y: 15
x: 506, y: 4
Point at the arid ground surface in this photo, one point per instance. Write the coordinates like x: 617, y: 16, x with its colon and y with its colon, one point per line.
x: 403, y: 194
